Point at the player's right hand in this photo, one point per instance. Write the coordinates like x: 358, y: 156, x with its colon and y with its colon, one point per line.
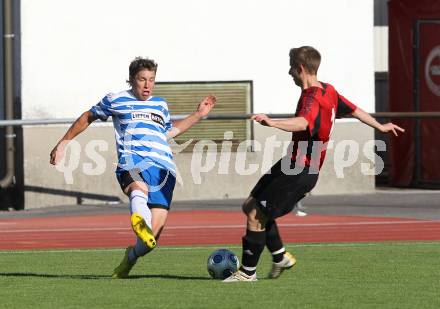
x: 57, y: 153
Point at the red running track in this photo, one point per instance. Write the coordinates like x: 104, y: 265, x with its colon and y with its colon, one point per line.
x: 199, y: 227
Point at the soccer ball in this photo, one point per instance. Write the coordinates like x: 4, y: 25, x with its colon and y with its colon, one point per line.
x: 222, y: 263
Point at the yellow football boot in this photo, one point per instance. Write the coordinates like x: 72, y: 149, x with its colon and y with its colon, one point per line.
x: 142, y: 230
x: 124, y: 268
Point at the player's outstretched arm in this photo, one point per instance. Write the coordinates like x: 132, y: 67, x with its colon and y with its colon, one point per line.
x: 203, y: 109
x: 294, y: 124
x: 369, y: 120
x: 76, y: 128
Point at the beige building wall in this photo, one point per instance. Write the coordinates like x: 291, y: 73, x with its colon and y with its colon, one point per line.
x: 93, y: 181
x: 98, y: 55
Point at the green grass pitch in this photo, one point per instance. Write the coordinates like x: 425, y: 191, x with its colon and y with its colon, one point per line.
x: 340, y: 275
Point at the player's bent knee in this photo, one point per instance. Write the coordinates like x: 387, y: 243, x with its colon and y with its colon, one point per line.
x: 261, y: 217
x: 137, y: 185
x: 248, y: 205
x: 244, y: 208
x: 256, y: 220
x: 252, y: 219
x: 253, y: 224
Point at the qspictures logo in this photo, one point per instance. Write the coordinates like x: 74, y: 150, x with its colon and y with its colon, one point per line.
x: 432, y: 70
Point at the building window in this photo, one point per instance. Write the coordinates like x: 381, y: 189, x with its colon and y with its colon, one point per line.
x: 234, y: 97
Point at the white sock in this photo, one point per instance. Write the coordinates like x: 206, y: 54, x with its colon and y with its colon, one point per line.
x: 138, y: 204
x: 139, y: 250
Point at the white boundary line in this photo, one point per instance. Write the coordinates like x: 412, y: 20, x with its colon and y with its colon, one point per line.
x: 186, y: 248
x: 192, y: 227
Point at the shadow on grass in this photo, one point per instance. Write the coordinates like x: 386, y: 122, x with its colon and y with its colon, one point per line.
x: 174, y: 277
x: 101, y: 277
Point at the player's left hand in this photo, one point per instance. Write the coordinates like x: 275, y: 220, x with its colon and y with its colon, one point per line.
x: 391, y: 127
x: 206, y: 105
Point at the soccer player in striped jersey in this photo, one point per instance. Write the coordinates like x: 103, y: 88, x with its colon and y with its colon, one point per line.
x: 145, y: 170
x: 292, y: 177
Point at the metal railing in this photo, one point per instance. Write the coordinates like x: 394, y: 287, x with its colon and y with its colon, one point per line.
x: 394, y: 115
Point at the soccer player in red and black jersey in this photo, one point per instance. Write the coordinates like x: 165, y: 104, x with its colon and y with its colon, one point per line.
x: 293, y: 176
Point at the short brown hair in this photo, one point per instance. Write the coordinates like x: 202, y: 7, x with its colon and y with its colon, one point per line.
x: 308, y: 56
x: 139, y: 64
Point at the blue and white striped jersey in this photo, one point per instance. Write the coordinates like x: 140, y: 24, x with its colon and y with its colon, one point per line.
x: 140, y: 130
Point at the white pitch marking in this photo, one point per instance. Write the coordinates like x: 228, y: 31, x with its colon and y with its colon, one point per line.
x: 185, y: 248
x: 192, y: 227
x: 88, y: 229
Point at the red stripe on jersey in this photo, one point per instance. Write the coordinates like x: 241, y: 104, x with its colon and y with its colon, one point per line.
x: 319, y: 106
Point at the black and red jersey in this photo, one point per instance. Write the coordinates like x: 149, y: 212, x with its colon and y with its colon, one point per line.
x: 320, y: 107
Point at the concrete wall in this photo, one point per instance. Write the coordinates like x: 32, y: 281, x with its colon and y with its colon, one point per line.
x: 47, y: 186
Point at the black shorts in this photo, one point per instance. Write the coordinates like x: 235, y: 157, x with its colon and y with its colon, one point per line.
x: 277, y: 193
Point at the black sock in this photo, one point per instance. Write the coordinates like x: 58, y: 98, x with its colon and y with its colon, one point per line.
x: 274, y: 242
x: 253, y: 245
